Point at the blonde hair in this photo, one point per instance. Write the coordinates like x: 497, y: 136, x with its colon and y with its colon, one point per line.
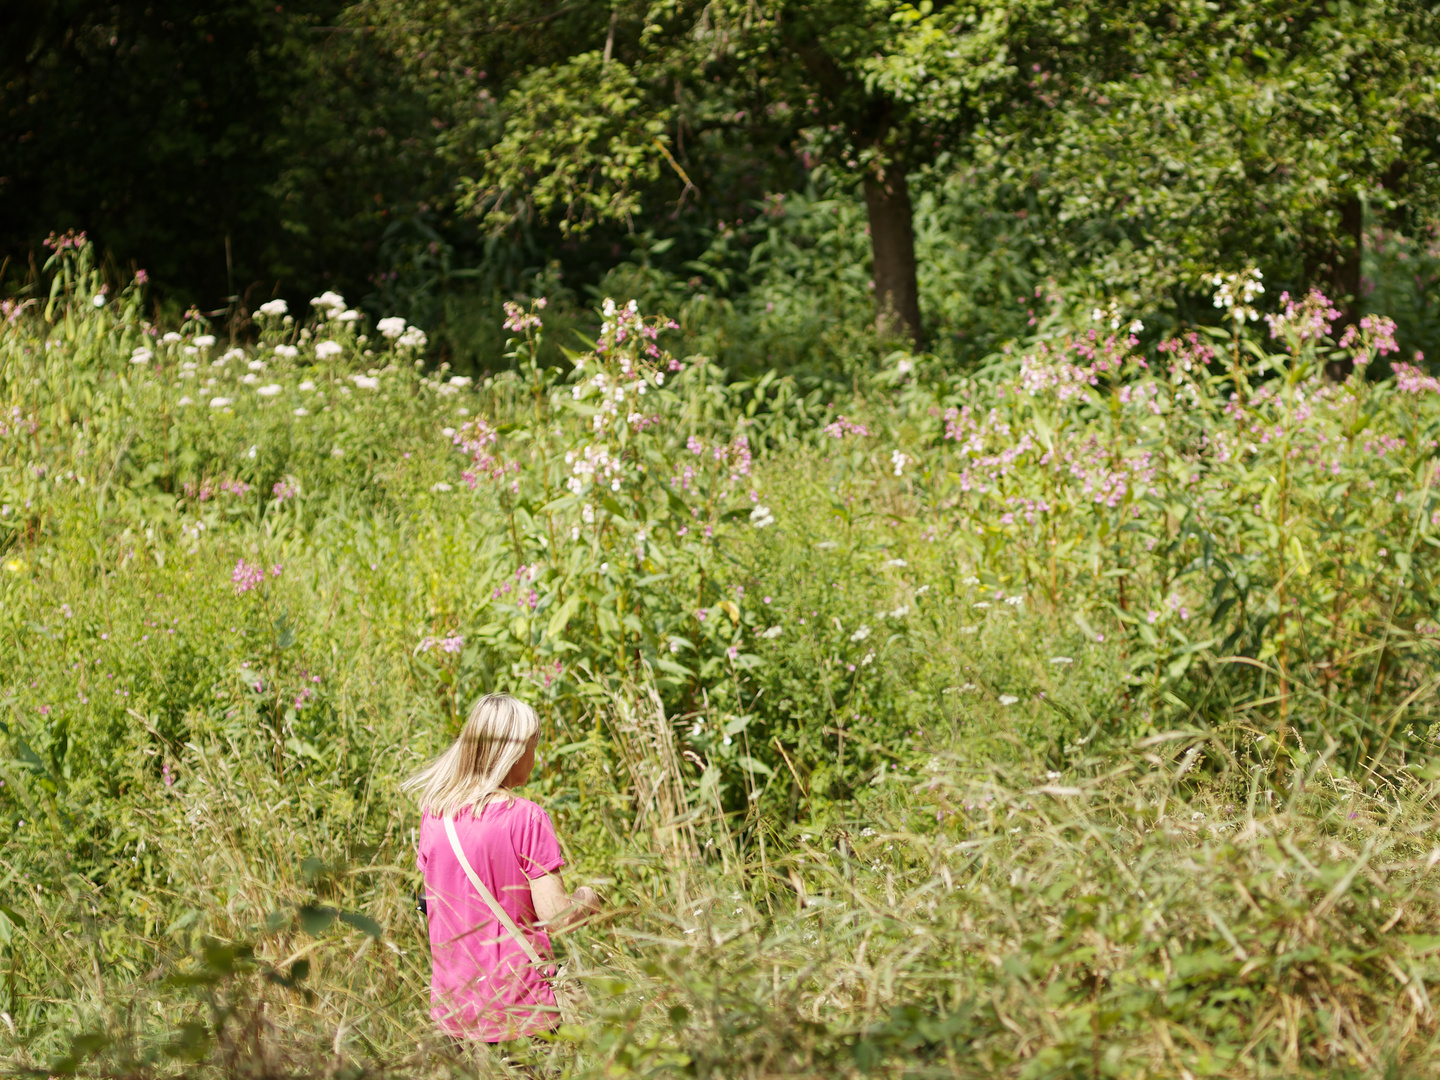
x: 473, y: 770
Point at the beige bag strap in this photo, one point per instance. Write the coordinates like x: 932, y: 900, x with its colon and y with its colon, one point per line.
x: 489, y: 897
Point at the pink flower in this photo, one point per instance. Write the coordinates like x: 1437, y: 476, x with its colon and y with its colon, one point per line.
x: 276, y: 570
x: 842, y: 427
x: 246, y: 577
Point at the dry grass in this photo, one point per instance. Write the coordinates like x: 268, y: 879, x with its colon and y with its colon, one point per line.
x: 1135, y: 916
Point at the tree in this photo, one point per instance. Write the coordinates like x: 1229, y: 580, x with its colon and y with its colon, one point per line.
x: 577, y: 114
x: 1176, y: 140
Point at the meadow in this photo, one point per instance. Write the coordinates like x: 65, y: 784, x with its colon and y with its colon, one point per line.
x: 1068, y: 715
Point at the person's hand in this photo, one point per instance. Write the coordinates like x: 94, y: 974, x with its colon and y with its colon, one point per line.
x: 586, y: 899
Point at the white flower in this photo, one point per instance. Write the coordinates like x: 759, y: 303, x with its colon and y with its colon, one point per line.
x: 761, y: 517
x: 251, y: 452
x: 190, y: 350
x: 413, y: 338
x: 365, y: 382
x: 250, y: 379
x: 1014, y: 601
x: 204, y: 341
x: 327, y: 349
x: 904, y: 365
x: 188, y: 373
x: 860, y: 634
x: 274, y: 308
x: 141, y: 355
x: 347, y: 316
x: 185, y: 401
x: 219, y: 402
x: 270, y: 391
x: 302, y: 412
x: 99, y: 300
x: 392, y: 327
x: 441, y: 486
x: 773, y: 632
x: 896, y: 562
x: 287, y: 351
x: 972, y: 580
x: 171, y: 338
x: 331, y: 300
x: 233, y: 354
x: 1008, y: 699
x: 899, y: 460
x: 1061, y: 660
x: 307, y: 385
x: 461, y: 381
x: 337, y: 452
x: 981, y: 603
x: 448, y: 432
x: 826, y: 545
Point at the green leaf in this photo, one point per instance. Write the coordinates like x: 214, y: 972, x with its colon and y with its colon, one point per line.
x: 560, y: 617
x: 362, y: 922
x: 316, y: 920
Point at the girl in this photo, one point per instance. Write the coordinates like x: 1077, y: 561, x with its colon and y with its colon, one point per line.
x: 484, y: 986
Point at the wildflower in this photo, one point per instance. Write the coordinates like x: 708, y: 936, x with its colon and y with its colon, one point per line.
x: 306, y: 386
x: 773, y: 632
x: 302, y: 412
x: 349, y: 315
x: 204, y: 341
x: 1061, y: 660
x: 270, y: 391
x: 327, y: 349
x: 760, y: 517
x: 276, y: 570
x: 365, y: 382
x: 141, y: 355
x: 733, y: 651
x: 1008, y: 699
x: 289, y: 352
x: 274, y: 308
x: 330, y: 302
x: 219, y: 402
x: 185, y: 401
x: 391, y: 327
x: 861, y: 634
x: 517, y: 319
x: 413, y: 338
x: 284, y: 490
x: 441, y: 486
x: 898, y: 563
x: 899, y: 460
x: 842, y: 427
x: 246, y: 577
x: 172, y: 338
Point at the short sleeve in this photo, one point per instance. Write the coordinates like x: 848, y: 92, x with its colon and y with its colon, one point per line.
x: 536, y: 846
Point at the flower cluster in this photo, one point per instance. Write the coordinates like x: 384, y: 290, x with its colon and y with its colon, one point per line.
x: 451, y: 644
x: 843, y: 426
x: 246, y: 577
x: 519, y: 320
x: 1308, y: 320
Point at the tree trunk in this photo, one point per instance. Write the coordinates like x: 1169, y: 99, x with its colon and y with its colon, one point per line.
x: 892, y: 242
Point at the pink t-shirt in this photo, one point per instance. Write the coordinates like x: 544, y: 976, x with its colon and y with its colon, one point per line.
x: 483, y: 985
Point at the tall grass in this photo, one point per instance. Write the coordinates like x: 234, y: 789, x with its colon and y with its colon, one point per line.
x: 880, y: 765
